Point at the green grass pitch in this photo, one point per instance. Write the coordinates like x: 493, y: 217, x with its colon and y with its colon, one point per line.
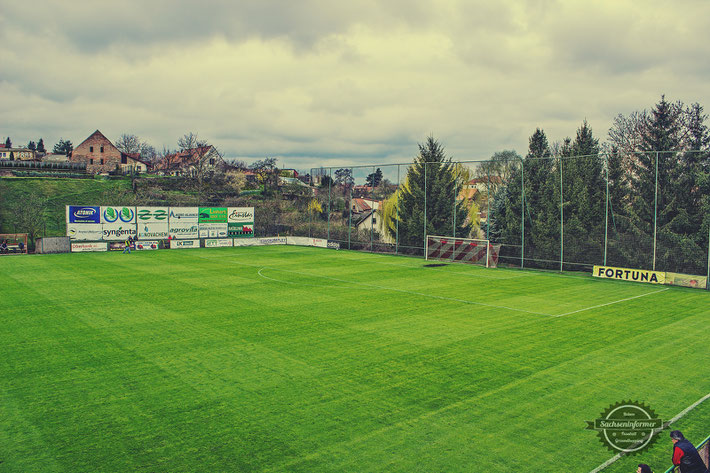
x: 303, y: 359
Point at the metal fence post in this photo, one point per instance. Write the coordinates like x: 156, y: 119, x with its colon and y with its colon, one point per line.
x: 372, y: 200
x: 606, y: 210
x: 350, y: 205
x: 396, y: 211
x: 655, y: 215
x: 330, y: 180
x: 522, y: 213
x: 488, y: 205
x: 562, y: 219
x: 707, y: 281
x: 425, y: 189
x: 456, y: 185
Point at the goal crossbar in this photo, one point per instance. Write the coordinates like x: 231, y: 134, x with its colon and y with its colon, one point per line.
x: 462, y: 250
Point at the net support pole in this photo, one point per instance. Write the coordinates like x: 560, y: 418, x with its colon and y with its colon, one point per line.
x: 330, y: 180
x: 522, y: 214
x: 606, y: 209
x: 396, y: 219
x: 350, y: 206
x: 488, y: 204
x: 372, y: 200
x: 456, y: 185
x: 707, y: 281
x: 562, y: 219
x: 425, y: 189
x: 655, y: 215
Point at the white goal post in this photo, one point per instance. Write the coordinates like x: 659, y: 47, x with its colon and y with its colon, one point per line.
x: 462, y: 250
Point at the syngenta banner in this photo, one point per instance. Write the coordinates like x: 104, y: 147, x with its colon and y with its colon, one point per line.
x: 213, y: 214
x: 152, y: 215
x: 85, y: 231
x: 153, y: 231
x: 118, y: 215
x: 625, y: 274
x: 183, y: 214
x: 83, y: 214
x: 183, y: 231
x: 118, y: 231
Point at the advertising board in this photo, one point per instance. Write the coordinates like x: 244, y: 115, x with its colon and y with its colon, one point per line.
x: 152, y: 214
x: 83, y: 247
x: 183, y: 231
x: 213, y: 215
x: 240, y: 215
x: 83, y: 214
x: 118, y: 231
x: 183, y: 214
x: 147, y: 245
x: 240, y: 230
x: 625, y: 274
x: 180, y: 244
x: 213, y: 230
x: 151, y: 231
x: 305, y: 241
x: 85, y: 231
x: 118, y: 215
x: 218, y: 243
x: 260, y: 241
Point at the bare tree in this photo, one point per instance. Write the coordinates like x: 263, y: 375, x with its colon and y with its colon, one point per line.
x: 28, y: 214
x: 129, y: 144
x: 266, y: 172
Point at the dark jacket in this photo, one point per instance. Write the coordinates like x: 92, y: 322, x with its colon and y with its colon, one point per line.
x: 690, y: 461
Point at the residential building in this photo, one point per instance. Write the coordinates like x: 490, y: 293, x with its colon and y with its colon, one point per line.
x: 101, y: 156
x: 17, y: 154
x: 189, y: 161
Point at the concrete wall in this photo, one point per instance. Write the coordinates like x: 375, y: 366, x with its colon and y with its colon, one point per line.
x: 52, y: 245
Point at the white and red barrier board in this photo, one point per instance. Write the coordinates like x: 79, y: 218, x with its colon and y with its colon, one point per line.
x: 91, y: 246
x: 147, y: 245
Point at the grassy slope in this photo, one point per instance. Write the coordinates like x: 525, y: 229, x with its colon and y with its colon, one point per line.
x: 59, y: 192
x: 300, y: 359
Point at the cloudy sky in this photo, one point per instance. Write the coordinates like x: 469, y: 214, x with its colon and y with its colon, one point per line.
x: 322, y: 82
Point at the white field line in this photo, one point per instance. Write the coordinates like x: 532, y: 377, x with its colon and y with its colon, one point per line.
x: 679, y: 416
x: 610, y: 303
x: 385, y: 288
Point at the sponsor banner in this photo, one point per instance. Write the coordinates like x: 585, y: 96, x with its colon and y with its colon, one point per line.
x: 686, y: 280
x: 152, y: 215
x: 219, y: 243
x: 213, y: 230
x: 183, y: 231
x: 81, y: 247
x: 85, y: 231
x: 83, y: 214
x: 213, y: 215
x: 150, y: 231
x: 334, y: 245
x: 240, y: 230
x: 118, y: 231
x: 118, y: 215
x: 260, y: 241
x: 147, y: 245
x: 240, y: 215
x: 178, y: 244
x: 183, y: 214
x: 116, y: 246
x: 305, y: 241
x: 625, y: 274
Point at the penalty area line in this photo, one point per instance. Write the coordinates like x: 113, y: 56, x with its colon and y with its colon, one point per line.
x: 610, y: 303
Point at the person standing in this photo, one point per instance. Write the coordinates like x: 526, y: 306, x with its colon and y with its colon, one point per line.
x: 685, y: 456
x: 127, y: 246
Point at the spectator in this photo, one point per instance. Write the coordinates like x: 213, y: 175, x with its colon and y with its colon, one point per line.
x: 685, y: 456
x: 3, y: 246
x: 127, y: 245
x: 21, y: 246
x: 643, y: 468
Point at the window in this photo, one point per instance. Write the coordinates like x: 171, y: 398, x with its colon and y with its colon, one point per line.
x: 91, y: 149
x: 102, y: 149
x: 211, y: 160
x: 374, y: 221
x: 91, y: 161
x: 102, y: 160
x: 124, y: 160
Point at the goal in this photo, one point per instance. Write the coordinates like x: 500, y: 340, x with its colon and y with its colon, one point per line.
x: 462, y: 250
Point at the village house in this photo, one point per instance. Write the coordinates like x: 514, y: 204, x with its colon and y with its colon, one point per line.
x: 366, y: 218
x: 16, y: 154
x: 189, y: 161
x: 101, y: 156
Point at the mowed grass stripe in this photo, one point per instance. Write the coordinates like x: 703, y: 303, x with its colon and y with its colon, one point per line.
x: 257, y: 375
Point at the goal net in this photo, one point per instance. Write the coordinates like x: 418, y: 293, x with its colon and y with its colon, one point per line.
x: 463, y: 250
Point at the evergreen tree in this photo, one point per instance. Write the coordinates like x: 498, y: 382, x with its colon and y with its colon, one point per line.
x: 430, y: 192
x: 63, y: 147
x: 374, y: 179
x: 40, y: 146
x: 32, y: 146
x: 8, y: 143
